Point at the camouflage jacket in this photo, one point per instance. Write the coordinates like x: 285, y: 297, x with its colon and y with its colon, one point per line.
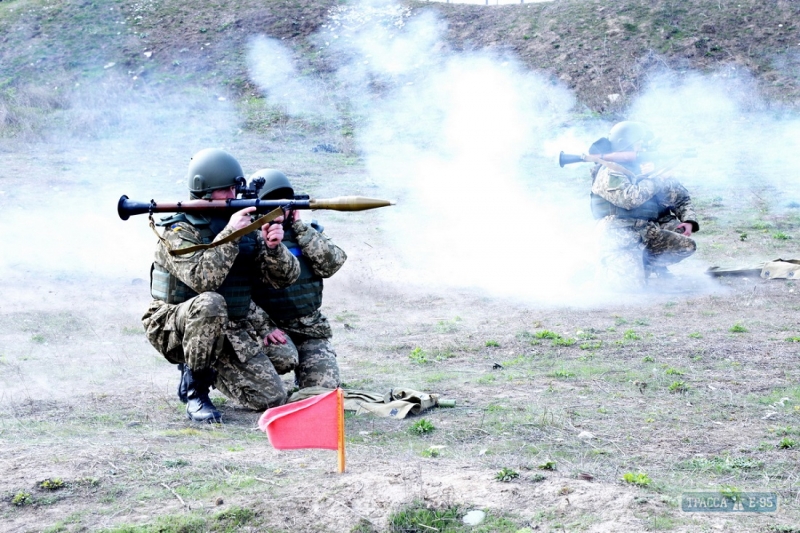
x: 629, y: 193
x: 324, y: 258
x: 205, y: 271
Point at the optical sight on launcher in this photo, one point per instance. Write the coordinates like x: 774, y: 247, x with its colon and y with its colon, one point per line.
x: 250, y: 192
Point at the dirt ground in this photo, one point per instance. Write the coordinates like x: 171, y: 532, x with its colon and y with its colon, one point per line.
x: 90, y: 403
x: 692, y: 385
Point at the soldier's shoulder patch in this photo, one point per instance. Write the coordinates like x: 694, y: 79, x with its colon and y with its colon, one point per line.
x: 615, y: 181
x: 182, y: 235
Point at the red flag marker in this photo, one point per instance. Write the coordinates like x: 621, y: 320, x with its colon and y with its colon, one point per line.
x: 316, y: 422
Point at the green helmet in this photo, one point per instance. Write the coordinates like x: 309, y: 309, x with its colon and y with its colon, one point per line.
x: 276, y: 184
x: 627, y: 133
x: 212, y: 169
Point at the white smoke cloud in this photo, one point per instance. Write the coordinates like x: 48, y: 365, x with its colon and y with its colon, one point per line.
x: 744, y: 147
x: 59, y: 217
x: 465, y: 141
x: 456, y: 137
x: 273, y: 69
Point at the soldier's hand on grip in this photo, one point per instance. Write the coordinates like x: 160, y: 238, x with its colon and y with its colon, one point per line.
x: 273, y: 232
x: 241, y: 219
x: 684, y: 229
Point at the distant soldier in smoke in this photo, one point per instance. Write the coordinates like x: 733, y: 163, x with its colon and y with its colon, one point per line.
x: 297, y: 335
x: 202, y: 299
x: 645, y: 215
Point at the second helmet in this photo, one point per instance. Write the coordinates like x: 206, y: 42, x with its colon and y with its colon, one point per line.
x: 276, y: 184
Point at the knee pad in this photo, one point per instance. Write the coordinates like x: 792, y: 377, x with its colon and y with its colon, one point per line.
x: 209, y: 304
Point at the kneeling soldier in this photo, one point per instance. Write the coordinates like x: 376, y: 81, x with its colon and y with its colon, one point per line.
x: 297, y: 334
x: 198, y: 317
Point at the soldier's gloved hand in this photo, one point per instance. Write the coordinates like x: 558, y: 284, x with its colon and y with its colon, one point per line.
x: 276, y: 336
x: 684, y: 229
x: 273, y: 232
x: 241, y: 219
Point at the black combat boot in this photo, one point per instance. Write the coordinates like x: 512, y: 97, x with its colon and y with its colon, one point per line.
x: 199, y: 407
x: 182, y: 389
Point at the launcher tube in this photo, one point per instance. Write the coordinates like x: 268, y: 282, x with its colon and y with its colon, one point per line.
x: 127, y: 207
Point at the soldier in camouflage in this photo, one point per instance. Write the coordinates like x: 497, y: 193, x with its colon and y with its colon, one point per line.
x: 297, y: 335
x: 199, y: 317
x: 646, y: 217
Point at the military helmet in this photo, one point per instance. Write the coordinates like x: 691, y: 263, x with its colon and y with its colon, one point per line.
x: 276, y: 184
x: 627, y: 133
x: 212, y: 169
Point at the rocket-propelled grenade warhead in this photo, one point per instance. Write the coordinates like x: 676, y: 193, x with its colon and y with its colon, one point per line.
x: 349, y: 203
x: 127, y: 207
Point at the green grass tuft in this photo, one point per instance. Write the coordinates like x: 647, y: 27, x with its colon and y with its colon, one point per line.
x: 21, y: 499
x: 418, y: 356
x: 638, y: 478
x: 506, y: 474
x: 546, y: 334
x: 52, y: 484
x: 678, y: 387
x: 421, y: 427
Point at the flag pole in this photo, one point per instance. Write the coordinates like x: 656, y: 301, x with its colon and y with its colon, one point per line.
x: 340, y: 417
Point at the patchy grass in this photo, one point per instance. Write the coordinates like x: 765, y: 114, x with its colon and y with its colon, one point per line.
x: 678, y: 387
x: 421, y: 427
x: 419, y: 517
x: 122, y: 416
x: 233, y: 519
x: 721, y: 465
x: 506, y: 474
x: 637, y: 478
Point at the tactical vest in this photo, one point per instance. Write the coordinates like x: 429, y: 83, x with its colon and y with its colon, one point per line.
x: 236, y: 288
x: 301, y: 298
x: 602, y: 208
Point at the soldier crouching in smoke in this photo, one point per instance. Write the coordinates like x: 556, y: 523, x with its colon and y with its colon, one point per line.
x: 645, y: 215
x: 199, y: 315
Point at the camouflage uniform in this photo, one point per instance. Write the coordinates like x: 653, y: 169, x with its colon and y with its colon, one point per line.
x: 199, y: 331
x: 634, y: 246
x: 307, y: 329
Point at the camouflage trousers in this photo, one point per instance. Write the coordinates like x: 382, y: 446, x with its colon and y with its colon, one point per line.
x: 630, y: 248
x: 663, y: 246
x: 314, y: 361
x: 197, y: 332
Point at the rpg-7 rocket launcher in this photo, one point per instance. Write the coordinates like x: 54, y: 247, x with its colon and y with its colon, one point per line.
x: 127, y: 207
x: 615, y: 161
x: 249, y: 198
x: 602, y: 153
x: 621, y: 157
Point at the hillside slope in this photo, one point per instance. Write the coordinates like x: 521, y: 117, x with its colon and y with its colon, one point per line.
x: 601, y: 48
x: 605, y: 54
